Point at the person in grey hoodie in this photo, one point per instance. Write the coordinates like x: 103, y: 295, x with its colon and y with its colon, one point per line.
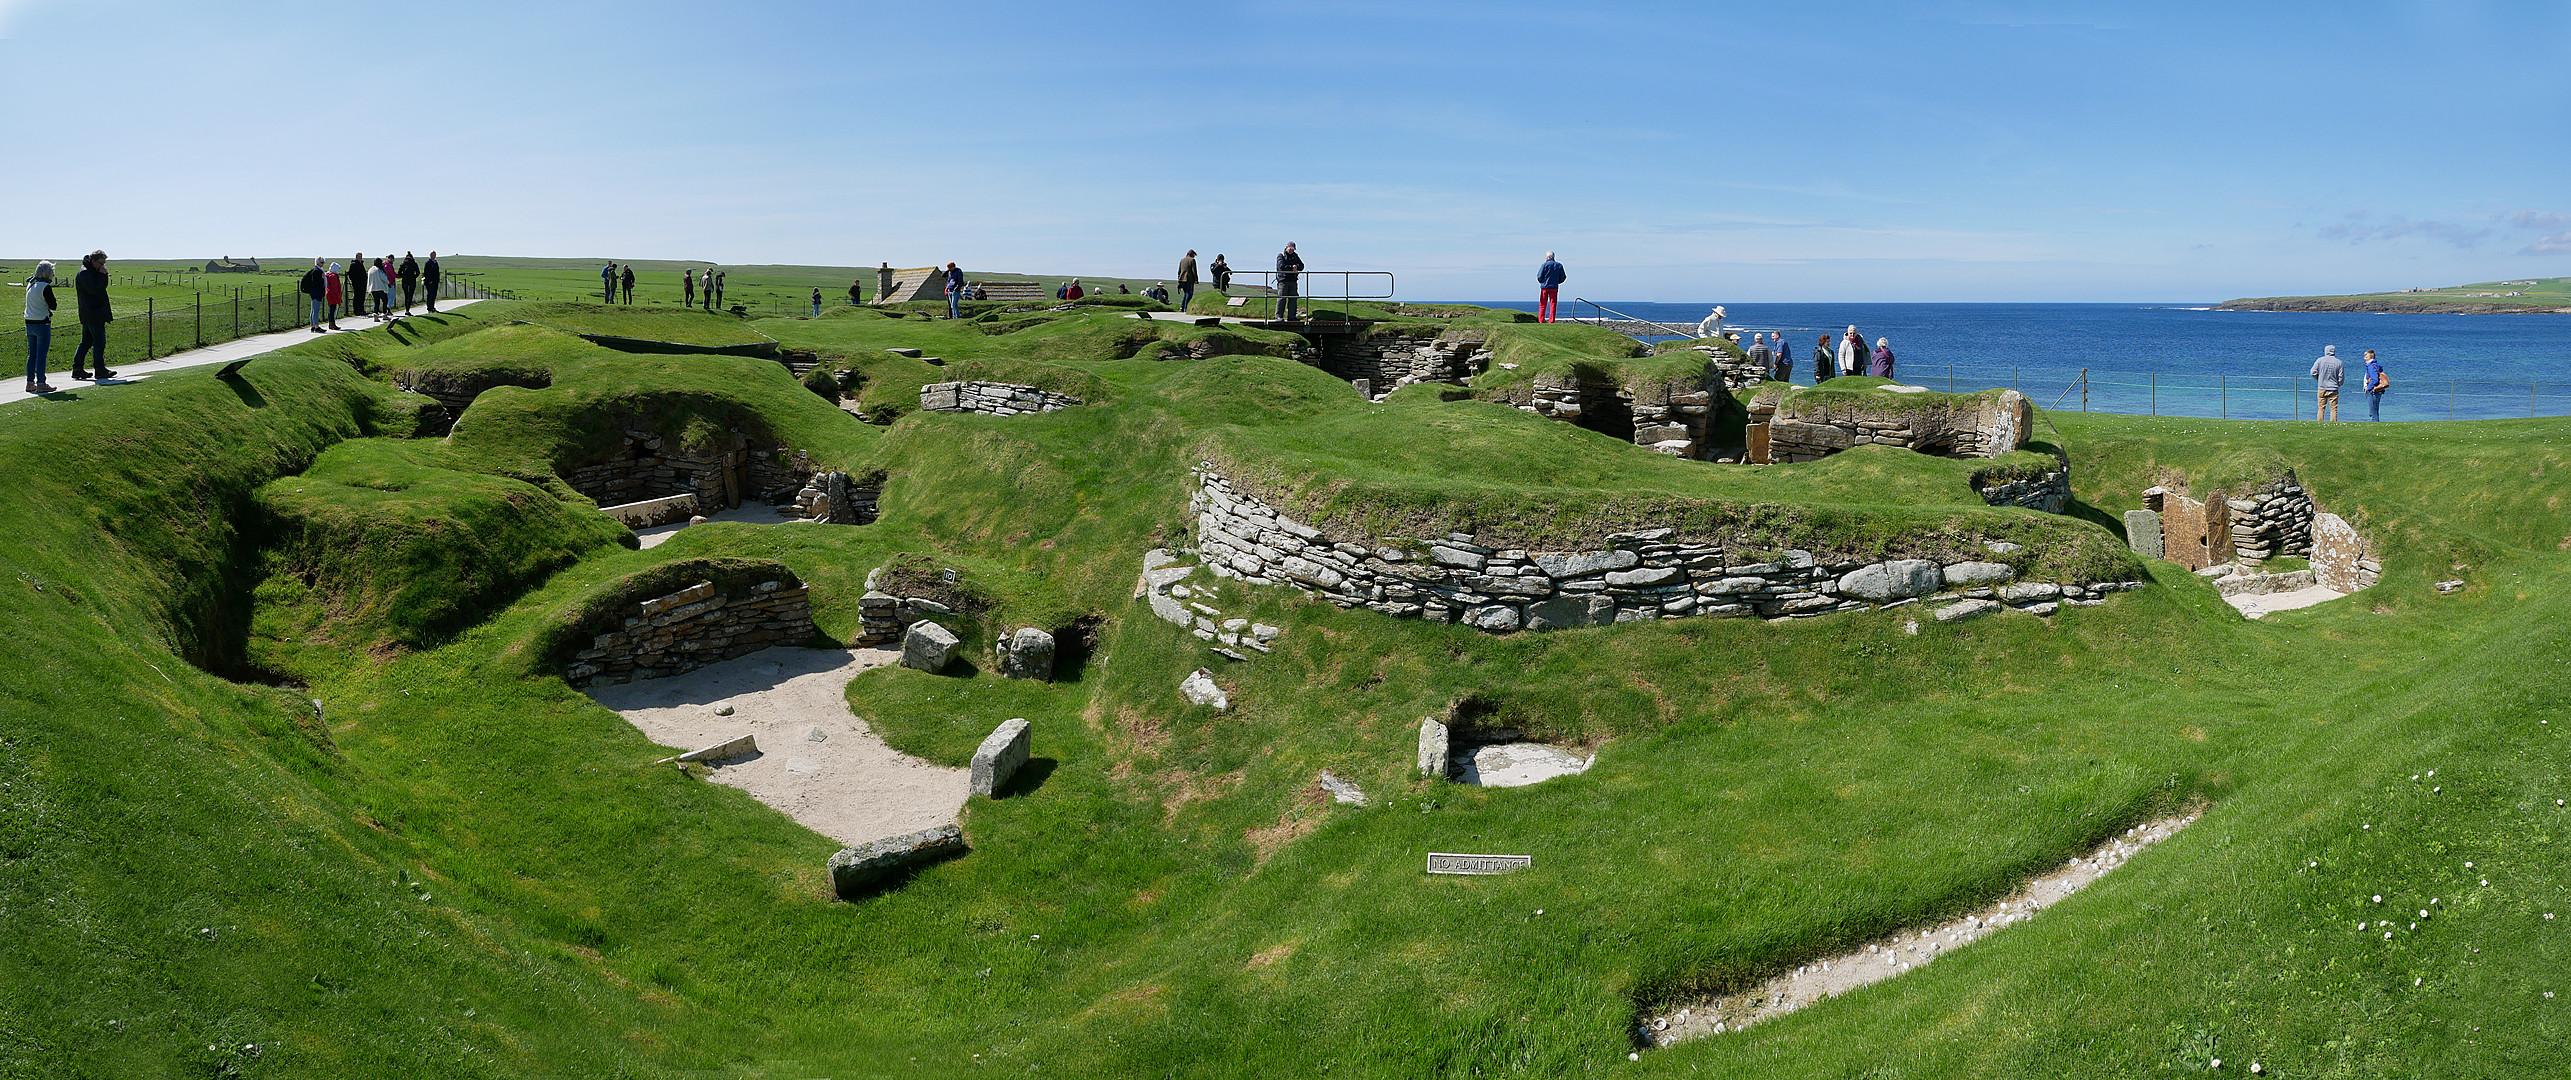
x: 2331, y: 373
x: 41, y: 306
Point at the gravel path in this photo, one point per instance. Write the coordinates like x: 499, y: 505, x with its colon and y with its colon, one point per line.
x: 817, y: 763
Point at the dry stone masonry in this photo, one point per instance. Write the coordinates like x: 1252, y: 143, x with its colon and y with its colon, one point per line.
x: 1628, y: 577
x: 1789, y: 424
x: 992, y: 398
x: 2048, y: 493
x: 693, y: 627
x: 1381, y: 363
x: 1164, y: 584
x: 2227, y: 538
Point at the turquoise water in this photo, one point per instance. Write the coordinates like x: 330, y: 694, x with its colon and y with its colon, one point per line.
x: 2184, y: 359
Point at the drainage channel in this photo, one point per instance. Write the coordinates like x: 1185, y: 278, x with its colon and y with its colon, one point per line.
x: 1886, y: 957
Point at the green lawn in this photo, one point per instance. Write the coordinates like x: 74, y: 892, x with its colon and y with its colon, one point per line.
x: 462, y: 867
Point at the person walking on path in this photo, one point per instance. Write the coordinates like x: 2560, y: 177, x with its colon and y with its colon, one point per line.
x: 89, y: 288
x: 1222, y: 272
x: 334, y: 289
x: 41, y: 306
x: 816, y: 301
x: 1289, y: 275
x: 1852, y: 353
x: 687, y: 287
x: 1883, y: 366
x: 954, y: 292
x: 1548, y: 287
x: 2376, y: 383
x: 316, y: 287
x: 2329, y: 372
x: 856, y: 291
x: 607, y: 283
x: 409, y: 273
x: 1186, y: 280
x: 883, y: 282
x: 629, y: 283
x: 433, y: 277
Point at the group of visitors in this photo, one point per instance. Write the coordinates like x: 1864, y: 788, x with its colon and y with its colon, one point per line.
x: 1847, y: 355
x: 615, y: 281
x: 710, y: 286
x: 368, y: 288
x: 89, y: 294
x: 2330, y: 374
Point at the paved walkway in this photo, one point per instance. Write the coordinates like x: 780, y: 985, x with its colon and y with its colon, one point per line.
x: 14, y: 388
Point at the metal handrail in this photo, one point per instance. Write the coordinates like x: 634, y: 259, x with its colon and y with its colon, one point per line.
x: 1304, y: 291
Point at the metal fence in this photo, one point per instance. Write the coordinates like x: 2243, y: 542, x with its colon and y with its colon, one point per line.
x: 2248, y: 397
x: 156, y: 327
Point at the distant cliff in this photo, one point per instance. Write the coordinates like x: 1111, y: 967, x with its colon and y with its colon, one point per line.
x: 2523, y: 296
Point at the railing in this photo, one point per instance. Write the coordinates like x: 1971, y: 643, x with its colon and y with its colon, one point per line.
x: 1626, y: 324
x: 2237, y: 397
x: 1312, y: 288
x: 204, y: 318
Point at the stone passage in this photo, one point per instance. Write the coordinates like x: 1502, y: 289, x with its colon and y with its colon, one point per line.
x: 691, y: 628
x: 832, y: 498
x: 992, y: 398
x: 1812, y: 423
x: 1385, y: 362
x: 1628, y: 577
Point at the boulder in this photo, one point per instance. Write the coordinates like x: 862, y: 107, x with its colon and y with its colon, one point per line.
x: 1497, y: 618
x: 1432, y: 747
x: 1964, y: 575
x: 1966, y: 609
x: 999, y: 757
x: 1898, y: 579
x: 862, y: 869
x: 927, y: 646
x: 1027, y: 654
x: 1199, y: 687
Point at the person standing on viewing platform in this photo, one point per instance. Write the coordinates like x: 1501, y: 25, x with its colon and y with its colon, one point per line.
x: 90, y: 290
x: 1186, y: 279
x: 1222, y: 275
x: 2330, y: 373
x: 41, y: 306
x: 1824, y: 366
x: 1289, y: 271
x: 1852, y: 353
x: 315, y: 286
x: 354, y: 283
x: 1758, y: 353
x: 379, y: 286
x: 1883, y: 366
x: 629, y: 283
x: 1548, y: 287
x: 955, y: 292
x: 409, y: 273
x: 2376, y: 383
x: 433, y: 277
x: 687, y: 287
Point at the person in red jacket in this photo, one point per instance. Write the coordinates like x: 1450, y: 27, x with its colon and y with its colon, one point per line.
x: 333, y: 290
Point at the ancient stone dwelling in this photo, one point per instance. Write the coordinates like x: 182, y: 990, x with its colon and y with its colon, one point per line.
x: 2276, y: 519
x: 1788, y: 425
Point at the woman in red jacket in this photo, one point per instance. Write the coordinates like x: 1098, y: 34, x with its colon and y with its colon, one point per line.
x: 333, y: 290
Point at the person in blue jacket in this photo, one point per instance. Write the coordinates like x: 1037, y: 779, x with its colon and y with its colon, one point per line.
x: 1548, y: 280
x: 2376, y: 383
x: 954, y: 291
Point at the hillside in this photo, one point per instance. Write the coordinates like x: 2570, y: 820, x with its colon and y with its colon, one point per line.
x: 292, y: 782
x: 2521, y: 296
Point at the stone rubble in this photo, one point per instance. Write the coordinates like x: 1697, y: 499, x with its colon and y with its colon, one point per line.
x: 693, y: 627
x: 1802, y: 424
x: 1161, y: 586
x: 1199, y: 687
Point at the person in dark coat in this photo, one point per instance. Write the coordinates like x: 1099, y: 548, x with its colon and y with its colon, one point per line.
x: 1548, y: 287
x: 954, y: 292
x: 687, y: 287
x: 90, y: 287
x: 1222, y: 275
x: 1883, y: 363
x: 1824, y: 362
x: 410, y: 275
x: 857, y: 291
x: 629, y: 283
x: 432, y: 277
x: 1186, y: 280
x: 1289, y: 277
x: 354, y: 281
x: 314, y: 287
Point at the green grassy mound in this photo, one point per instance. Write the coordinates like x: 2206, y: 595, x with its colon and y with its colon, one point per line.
x: 461, y: 866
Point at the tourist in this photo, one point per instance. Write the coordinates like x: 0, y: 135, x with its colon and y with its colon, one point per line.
x: 1712, y: 324
x: 314, y: 286
x: 1784, y: 359
x: 1883, y: 367
x: 354, y: 280
x: 607, y: 283
x: 954, y: 292
x: 1548, y: 286
x: 334, y: 290
x: 705, y: 286
x: 980, y: 293
x: 1852, y: 353
x: 379, y: 289
x: 89, y: 290
x: 1071, y: 290
x: 2376, y: 383
x: 856, y: 291
x: 1289, y: 270
x: 1824, y: 365
x: 629, y: 283
x: 1186, y: 280
x: 1758, y: 354
x: 720, y: 278
x: 687, y: 287
x: 1222, y: 275
x: 1123, y: 289
x: 2329, y: 372
x: 409, y: 273
x: 883, y: 283
x: 432, y: 277
x: 816, y: 301
x: 40, y: 326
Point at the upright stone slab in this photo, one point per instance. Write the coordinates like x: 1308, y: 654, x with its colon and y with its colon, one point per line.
x: 2336, y: 549
x: 927, y: 646
x: 1432, y: 747
x: 2142, y: 532
x: 862, y: 869
x: 1027, y: 654
x: 999, y: 756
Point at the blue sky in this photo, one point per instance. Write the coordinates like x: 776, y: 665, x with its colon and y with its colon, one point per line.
x: 1776, y: 152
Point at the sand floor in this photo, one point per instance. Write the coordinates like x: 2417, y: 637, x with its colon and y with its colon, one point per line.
x: 2255, y: 605
x: 817, y: 762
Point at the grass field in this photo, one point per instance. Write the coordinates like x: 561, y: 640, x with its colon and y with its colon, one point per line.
x: 2520, y: 294
x: 455, y: 865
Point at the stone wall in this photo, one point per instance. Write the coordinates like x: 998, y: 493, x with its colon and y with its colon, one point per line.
x: 1671, y: 416
x: 691, y: 628
x: 2049, y: 493
x: 1387, y: 362
x: 1807, y: 426
x: 2274, y: 520
x: 645, y: 470
x: 833, y: 499
x: 2278, y: 519
x: 992, y: 398
x: 1626, y: 577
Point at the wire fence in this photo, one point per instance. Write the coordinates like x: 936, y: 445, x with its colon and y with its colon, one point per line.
x: 157, y: 326
x: 2250, y: 397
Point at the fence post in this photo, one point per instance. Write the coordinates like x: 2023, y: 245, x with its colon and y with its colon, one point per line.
x: 268, y: 309
x: 2224, y: 384
x: 2084, y: 389
x: 2155, y: 393
x: 2450, y: 399
x: 150, y: 323
x: 200, y: 318
x: 2530, y: 401
x: 236, y: 313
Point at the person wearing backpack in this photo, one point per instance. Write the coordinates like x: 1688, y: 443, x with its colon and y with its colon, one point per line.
x: 2376, y: 383
x: 312, y: 286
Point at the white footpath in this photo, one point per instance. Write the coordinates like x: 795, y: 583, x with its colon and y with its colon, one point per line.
x: 67, y: 389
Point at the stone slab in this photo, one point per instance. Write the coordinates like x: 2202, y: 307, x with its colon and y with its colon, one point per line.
x: 999, y: 757
x: 864, y: 868
x: 927, y: 646
x: 1432, y: 747
x: 2142, y: 533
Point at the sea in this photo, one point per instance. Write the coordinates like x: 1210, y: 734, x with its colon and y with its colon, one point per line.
x: 2177, y: 359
